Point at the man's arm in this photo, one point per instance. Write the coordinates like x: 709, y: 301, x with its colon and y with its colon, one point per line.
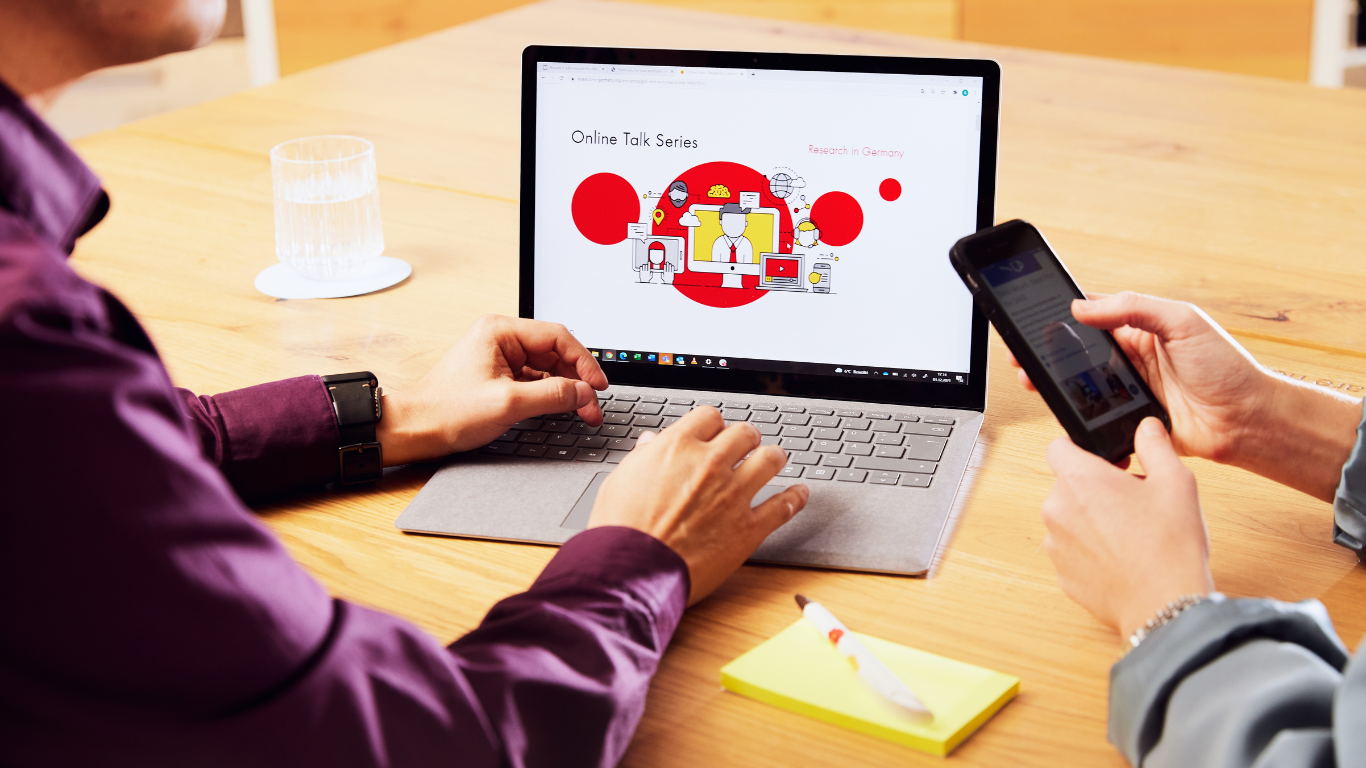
x: 151, y: 619
x: 270, y: 438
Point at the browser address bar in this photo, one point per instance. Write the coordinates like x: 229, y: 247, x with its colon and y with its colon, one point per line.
x: 637, y: 81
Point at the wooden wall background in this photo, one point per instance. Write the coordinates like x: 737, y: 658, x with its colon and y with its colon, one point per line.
x: 1256, y: 37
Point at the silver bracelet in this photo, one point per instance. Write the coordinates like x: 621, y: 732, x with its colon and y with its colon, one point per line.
x: 1164, y: 616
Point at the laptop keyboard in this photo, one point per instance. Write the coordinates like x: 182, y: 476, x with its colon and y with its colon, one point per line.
x: 850, y: 446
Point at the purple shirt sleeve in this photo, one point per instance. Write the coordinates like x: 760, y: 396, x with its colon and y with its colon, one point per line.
x: 269, y: 438
x: 150, y: 619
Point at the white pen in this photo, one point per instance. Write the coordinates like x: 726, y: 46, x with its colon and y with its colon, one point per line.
x: 870, y: 668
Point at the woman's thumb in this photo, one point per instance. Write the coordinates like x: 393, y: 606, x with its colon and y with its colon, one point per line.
x: 1154, y: 447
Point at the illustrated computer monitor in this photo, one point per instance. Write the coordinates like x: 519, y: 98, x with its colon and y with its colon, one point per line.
x: 672, y: 247
x: 762, y: 233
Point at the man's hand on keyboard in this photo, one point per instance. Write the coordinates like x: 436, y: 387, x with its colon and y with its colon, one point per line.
x: 683, y: 487
x: 501, y: 371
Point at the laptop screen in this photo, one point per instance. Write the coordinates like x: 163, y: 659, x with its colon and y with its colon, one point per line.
x: 765, y: 222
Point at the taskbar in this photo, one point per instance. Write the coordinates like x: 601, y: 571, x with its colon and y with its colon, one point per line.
x: 719, y: 363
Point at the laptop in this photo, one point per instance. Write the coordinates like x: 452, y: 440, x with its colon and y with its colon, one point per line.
x: 783, y: 272
x: 661, y: 189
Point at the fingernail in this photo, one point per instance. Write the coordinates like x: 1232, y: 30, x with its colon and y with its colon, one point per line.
x: 805, y: 491
x: 1151, y: 427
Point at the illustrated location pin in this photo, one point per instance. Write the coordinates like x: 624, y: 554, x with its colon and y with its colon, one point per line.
x: 659, y: 215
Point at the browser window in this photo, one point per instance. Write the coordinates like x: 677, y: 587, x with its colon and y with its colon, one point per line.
x: 758, y: 219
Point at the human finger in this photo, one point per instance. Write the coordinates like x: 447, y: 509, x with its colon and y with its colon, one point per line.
x: 1011, y: 357
x: 1155, y: 450
x: 590, y: 412
x: 1166, y: 318
x: 1025, y: 381
x: 644, y: 438
x: 760, y: 467
x: 530, y: 374
x: 778, y: 509
x: 702, y: 423
x: 550, y: 395
x: 550, y: 347
x: 735, y: 442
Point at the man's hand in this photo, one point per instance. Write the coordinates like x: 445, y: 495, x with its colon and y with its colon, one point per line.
x: 683, y: 488
x: 501, y: 371
x: 1125, y: 545
x: 1224, y: 406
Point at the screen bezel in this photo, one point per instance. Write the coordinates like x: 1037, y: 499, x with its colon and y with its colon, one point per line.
x: 970, y: 396
x: 1113, y: 440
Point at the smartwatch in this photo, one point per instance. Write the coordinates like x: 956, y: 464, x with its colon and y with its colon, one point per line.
x: 355, y: 400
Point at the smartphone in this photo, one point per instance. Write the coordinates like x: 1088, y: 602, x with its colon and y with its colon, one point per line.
x: 1083, y: 375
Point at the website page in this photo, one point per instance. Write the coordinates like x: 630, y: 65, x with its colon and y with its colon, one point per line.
x: 1036, y: 295
x: 758, y: 219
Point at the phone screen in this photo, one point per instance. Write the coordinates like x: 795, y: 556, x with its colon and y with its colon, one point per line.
x: 1037, y: 295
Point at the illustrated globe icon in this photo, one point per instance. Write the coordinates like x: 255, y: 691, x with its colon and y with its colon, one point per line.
x: 780, y: 185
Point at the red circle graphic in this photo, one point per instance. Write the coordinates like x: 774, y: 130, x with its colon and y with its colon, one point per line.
x: 603, y: 205
x: 838, y: 216
x: 890, y: 189
x: 711, y: 185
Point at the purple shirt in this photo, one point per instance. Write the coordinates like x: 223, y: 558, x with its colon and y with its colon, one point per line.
x: 149, y: 619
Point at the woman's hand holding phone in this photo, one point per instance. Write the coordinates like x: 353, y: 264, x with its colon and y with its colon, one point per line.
x: 1224, y: 406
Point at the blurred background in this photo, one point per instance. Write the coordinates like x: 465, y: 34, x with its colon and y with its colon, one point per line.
x: 1317, y: 41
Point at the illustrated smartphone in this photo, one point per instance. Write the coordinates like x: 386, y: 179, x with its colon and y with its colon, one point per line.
x: 1080, y: 371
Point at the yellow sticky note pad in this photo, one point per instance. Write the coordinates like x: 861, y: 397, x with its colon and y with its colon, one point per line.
x: 798, y: 670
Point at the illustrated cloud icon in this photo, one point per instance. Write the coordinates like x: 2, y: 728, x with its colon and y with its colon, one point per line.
x: 689, y: 219
x: 718, y: 190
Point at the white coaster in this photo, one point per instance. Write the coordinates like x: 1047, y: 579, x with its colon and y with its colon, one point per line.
x: 280, y: 281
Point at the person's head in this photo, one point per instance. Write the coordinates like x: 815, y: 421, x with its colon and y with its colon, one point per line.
x: 678, y: 193
x: 807, y: 233
x: 47, y: 43
x: 733, y: 219
x: 656, y: 253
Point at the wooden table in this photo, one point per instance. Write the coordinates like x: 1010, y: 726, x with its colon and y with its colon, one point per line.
x: 1246, y: 196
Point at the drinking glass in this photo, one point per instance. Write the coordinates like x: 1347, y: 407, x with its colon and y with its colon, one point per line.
x: 327, y: 224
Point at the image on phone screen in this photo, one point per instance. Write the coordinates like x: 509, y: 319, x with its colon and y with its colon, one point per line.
x: 1037, y: 295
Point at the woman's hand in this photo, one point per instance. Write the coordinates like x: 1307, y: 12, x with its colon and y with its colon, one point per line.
x: 1223, y: 404
x: 683, y: 487
x: 1208, y: 383
x: 1125, y: 545
x: 501, y: 371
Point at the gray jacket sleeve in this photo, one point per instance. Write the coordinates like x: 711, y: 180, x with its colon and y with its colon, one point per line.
x: 1349, y: 507
x: 1235, y: 683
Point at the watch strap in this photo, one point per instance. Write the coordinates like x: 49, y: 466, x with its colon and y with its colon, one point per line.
x: 356, y: 404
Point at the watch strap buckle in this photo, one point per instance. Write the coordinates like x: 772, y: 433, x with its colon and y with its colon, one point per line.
x: 360, y: 463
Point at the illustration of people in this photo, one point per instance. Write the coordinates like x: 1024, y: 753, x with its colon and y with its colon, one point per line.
x: 678, y: 193
x: 732, y: 247
x: 806, y: 234
x: 656, y: 264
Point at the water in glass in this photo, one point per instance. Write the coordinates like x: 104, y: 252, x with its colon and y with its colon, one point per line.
x: 327, y: 224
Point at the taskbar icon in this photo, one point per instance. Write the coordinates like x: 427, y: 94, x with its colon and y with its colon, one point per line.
x: 658, y: 358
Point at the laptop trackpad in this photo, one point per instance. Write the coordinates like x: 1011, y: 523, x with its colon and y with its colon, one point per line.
x: 578, y: 516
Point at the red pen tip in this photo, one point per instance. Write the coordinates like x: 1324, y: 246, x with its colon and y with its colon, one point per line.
x: 801, y: 601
